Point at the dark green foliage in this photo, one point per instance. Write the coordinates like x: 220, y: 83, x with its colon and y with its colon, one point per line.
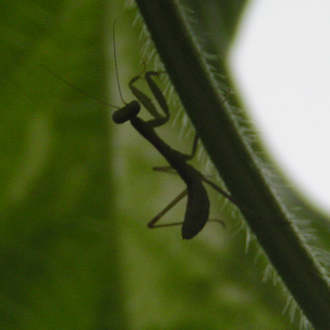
x: 75, y: 197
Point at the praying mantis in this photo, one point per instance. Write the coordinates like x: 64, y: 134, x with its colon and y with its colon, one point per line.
x: 198, y: 205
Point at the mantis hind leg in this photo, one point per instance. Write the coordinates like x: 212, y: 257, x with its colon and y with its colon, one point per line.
x: 218, y: 189
x: 171, y: 170
x: 152, y: 223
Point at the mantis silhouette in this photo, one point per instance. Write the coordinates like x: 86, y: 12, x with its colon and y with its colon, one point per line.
x: 198, y: 205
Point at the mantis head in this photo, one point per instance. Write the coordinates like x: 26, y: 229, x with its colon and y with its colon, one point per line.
x: 126, y: 113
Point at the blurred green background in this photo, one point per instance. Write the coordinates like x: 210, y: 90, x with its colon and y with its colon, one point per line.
x: 77, y: 193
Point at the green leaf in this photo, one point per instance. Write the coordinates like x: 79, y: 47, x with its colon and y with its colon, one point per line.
x: 215, y: 119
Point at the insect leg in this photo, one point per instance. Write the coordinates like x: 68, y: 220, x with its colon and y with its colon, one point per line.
x: 158, y: 119
x: 165, y: 169
x: 171, y: 170
x: 192, y: 153
x: 218, y: 189
x: 157, y: 92
x: 194, y: 148
x: 153, y: 221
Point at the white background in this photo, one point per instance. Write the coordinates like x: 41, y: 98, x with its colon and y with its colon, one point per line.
x: 282, y: 64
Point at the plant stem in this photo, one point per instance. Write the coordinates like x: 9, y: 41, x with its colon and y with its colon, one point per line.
x: 235, y: 160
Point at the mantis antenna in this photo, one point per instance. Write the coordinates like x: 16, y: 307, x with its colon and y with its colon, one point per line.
x: 81, y: 91
x: 115, y: 60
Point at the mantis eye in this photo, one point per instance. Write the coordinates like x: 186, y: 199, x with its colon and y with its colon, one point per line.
x: 126, y: 113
